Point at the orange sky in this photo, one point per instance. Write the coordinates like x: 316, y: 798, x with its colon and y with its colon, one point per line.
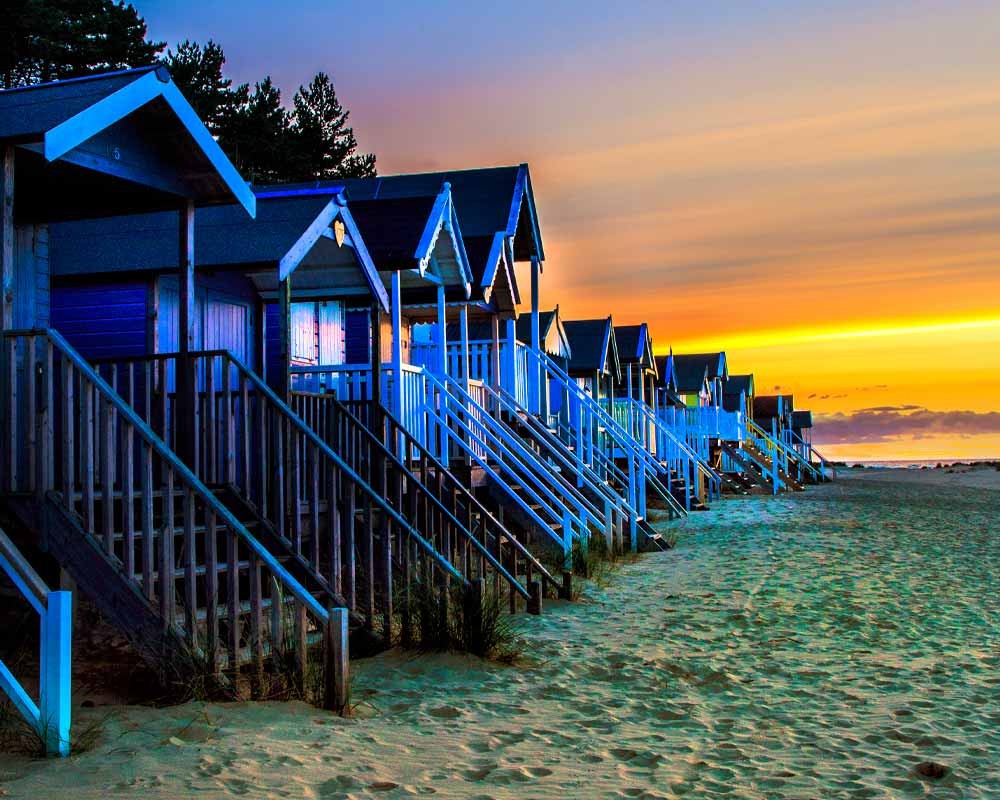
x: 814, y: 187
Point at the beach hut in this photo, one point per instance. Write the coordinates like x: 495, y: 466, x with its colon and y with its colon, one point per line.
x: 105, y: 144
x: 594, y: 362
x: 738, y: 395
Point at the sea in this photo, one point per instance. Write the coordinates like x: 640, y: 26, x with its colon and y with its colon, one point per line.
x: 918, y: 463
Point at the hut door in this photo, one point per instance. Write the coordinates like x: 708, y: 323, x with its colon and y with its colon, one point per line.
x: 331, y: 333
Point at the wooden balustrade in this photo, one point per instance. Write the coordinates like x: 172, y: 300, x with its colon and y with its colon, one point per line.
x: 93, y: 445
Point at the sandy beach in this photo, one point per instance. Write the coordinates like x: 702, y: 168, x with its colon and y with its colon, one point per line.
x: 819, y: 645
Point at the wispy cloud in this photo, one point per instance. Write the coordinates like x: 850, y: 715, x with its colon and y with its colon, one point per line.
x: 892, y: 423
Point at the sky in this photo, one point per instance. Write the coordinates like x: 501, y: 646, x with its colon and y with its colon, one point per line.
x: 812, y: 186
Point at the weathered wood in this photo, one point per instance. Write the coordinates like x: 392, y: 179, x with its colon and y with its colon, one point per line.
x: 107, y: 476
x: 284, y: 383
x: 337, y: 675
x: 146, y: 479
x: 190, y: 570
x: 167, y: 587
x: 232, y: 599
x: 211, y: 590
x: 301, y: 644
x: 186, y: 382
x: 256, y: 614
x: 31, y: 411
x: 535, y: 600
x: 87, y: 465
x: 68, y: 443
x: 7, y: 237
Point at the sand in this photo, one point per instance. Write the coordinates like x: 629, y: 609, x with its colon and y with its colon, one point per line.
x: 819, y: 645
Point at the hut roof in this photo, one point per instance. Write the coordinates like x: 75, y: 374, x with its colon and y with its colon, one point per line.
x: 690, y: 373
x: 635, y: 345
x: 737, y: 385
x: 287, y: 233
x: 593, y: 345
x: 112, y: 143
x: 493, y: 203
x: 555, y: 340
x: 802, y: 419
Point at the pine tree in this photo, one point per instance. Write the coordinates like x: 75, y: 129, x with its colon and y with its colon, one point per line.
x: 323, y: 144
x: 257, y: 136
x: 43, y: 40
x: 197, y: 71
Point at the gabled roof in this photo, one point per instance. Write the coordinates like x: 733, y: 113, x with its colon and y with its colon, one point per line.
x: 740, y: 383
x: 737, y: 386
x: 635, y: 346
x: 495, y: 205
x: 110, y: 143
x: 594, y: 347
x: 802, y: 419
x: 691, y: 373
x: 766, y: 406
x: 290, y: 234
x: 666, y: 374
x: 554, y: 339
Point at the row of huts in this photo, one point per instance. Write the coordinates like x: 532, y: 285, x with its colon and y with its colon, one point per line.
x: 248, y: 420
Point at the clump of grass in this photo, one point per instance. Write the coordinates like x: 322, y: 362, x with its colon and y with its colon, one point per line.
x: 447, y: 619
x: 17, y: 735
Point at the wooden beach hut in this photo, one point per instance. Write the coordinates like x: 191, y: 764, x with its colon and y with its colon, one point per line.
x: 594, y: 362
x: 77, y: 478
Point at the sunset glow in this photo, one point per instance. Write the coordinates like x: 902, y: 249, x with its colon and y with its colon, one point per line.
x: 811, y: 187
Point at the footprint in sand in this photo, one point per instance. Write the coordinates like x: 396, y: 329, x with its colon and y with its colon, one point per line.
x: 445, y: 712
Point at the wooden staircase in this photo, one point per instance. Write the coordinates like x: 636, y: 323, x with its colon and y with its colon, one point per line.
x: 196, y: 591
x: 765, y: 466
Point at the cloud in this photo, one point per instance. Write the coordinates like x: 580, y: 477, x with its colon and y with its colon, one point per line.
x: 889, y: 423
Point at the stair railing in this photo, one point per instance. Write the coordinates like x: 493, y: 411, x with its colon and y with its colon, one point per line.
x: 494, y: 531
x: 821, y: 472
x: 51, y: 717
x: 437, y: 512
x: 616, y: 511
x: 502, y: 458
x: 667, y: 436
x: 337, y: 525
x: 85, y: 448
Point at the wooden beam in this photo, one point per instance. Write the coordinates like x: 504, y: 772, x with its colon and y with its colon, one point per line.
x: 495, y: 350
x: 186, y: 402
x: 442, y: 325
x: 375, y: 423
x: 7, y: 238
x: 535, y: 372
x: 185, y: 277
x: 283, y: 383
x: 396, y: 312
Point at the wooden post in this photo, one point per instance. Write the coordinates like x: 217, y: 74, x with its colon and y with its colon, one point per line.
x: 337, y: 672
x: 185, y: 379
x: 442, y: 335
x: 283, y: 385
x: 56, y: 662
x: 566, y: 590
x: 535, y: 597
x: 7, y: 238
x: 375, y: 388
x: 535, y: 385
x: 463, y: 336
x: 397, y: 359
x: 495, y: 351
x: 510, y: 369
x: 473, y: 616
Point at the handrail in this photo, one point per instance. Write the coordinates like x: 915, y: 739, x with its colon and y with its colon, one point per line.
x: 558, y: 450
x: 554, y: 479
x: 813, y: 451
x: 785, y: 449
x: 268, y: 393
x: 22, y: 574
x: 179, y: 468
x: 412, y: 443
x: 691, y: 455
x: 619, y: 434
x: 449, y: 414
x: 51, y: 716
x: 386, y: 453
